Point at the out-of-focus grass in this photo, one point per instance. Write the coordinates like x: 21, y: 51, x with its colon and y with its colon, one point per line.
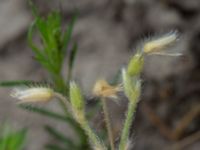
x: 11, y: 139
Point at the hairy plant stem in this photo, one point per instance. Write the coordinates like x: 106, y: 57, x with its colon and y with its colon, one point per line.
x: 65, y: 103
x: 94, y: 140
x: 126, y: 129
x: 61, y: 87
x: 108, y: 123
x: 63, y: 106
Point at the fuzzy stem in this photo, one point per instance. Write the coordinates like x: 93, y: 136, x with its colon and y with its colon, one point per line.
x: 108, y: 123
x: 60, y: 86
x: 64, y: 101
x: 68, y: 111
x: 126, y: 129
x: 95, y: 142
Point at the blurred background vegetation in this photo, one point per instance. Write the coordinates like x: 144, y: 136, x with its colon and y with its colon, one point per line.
x: 107, y: 32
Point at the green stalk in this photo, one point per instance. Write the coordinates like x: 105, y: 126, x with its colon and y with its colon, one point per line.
x: 95, y: 141
x: 127, y: 125
x: 108, y: 123
x: 59, y: 84
x: 64, y: 101
x: 61, y: 88
x: 132, y: 89
x: 67, y: 108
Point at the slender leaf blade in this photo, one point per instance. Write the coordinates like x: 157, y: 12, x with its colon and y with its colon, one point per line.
x: 16, y: 83
x: 59, y: 136
x: 43, y: 112
x: 72, y: 55
x: 68, y: 33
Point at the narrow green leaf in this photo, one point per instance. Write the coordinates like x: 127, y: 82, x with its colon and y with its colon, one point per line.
x: 53, y: 115
x: 35, y: 49
x: 72, y: 57
x: 57, y: 116
x: 16, y: 83
x: 44, y: 63
x: 43, y: 112
x: 33, y: 7
x: 68, y: 34
x: 18, y: 140
x: 39, y: 54
x: 12, y: 140
x: 42, y: 26
x: 59, y: 136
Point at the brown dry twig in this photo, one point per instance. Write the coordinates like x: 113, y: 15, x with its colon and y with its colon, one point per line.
x: 178, y: 131
x: 185, y: 142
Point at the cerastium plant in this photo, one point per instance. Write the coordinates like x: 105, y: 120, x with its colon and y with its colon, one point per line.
x: 51, y: 54
x: 132, y: 80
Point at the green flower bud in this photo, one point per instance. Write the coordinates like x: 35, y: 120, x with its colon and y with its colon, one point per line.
x: 136, y: 91
x: 132, y: 86
x: 76, y: 97
x: 135, y: 65
x: 126, y: 82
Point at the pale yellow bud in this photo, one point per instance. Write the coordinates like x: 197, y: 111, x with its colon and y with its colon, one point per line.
x: 159, y: 44
x: 33, y: 94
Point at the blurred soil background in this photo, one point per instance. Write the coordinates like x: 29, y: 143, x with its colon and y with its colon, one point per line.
x: 107, y: 32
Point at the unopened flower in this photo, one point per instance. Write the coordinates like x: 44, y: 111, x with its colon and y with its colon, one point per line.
x: 132, y: 86
x: 76, y: 97
x: 33, y: 94
x: 159, y: 44
x: 103, y: 89
x: 135, y: 65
